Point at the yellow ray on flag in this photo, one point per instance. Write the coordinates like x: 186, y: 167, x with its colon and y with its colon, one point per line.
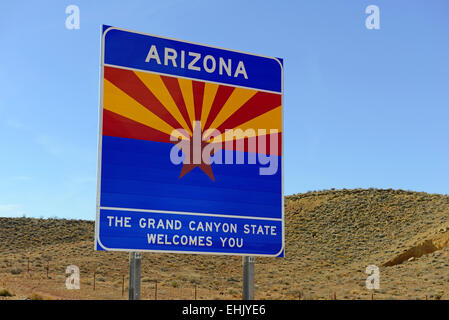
x: 210, y: 90
x: 187, y: 93
x: 237, y: 99
x: 269, y: 120
x: 119, y: 102
x: 155, y: 84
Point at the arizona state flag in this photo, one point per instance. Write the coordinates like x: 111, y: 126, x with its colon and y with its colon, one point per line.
x: 190, y: 148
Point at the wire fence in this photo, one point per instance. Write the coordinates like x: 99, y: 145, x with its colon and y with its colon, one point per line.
x: 97, y: 284
x: 50, y: 280
x: 96, y: 287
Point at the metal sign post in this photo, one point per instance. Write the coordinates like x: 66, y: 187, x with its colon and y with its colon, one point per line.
x: 135, y: 263
x: 248, y: 278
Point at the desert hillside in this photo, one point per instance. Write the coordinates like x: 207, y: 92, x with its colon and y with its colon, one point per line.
x: 331, y: 237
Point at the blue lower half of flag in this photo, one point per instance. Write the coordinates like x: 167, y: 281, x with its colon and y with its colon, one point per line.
x: 138, y: 174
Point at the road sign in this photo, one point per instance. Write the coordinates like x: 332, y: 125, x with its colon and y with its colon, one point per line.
x: 190, y: 148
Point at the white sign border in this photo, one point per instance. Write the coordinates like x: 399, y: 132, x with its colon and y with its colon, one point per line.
x: 99, y: 154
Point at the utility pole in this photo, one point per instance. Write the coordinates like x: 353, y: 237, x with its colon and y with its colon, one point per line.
x: 135, y: 264
x: 248, y: 278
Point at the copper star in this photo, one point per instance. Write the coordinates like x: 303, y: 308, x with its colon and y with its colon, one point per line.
x: 206, y: 168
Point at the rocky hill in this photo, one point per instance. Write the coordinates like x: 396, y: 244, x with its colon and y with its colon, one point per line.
x: 331, y: 237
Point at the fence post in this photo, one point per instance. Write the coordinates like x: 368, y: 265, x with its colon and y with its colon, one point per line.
x: 195, y: 292
x: 155, y: 291
x: 47, y: 269
x: 123, y: 284
x: 95, y: 275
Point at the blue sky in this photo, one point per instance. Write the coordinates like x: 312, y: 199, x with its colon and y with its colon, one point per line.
x: 363, y: 108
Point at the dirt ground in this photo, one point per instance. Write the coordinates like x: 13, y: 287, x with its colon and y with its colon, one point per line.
x: 331, y: 238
